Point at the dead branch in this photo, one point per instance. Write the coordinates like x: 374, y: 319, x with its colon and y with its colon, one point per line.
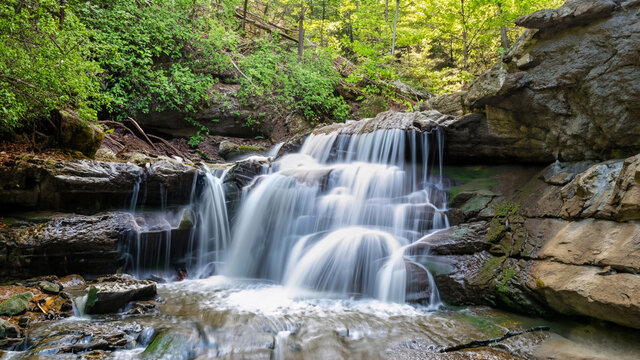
x: 143, y: 133
x: 488, y: 342
x: 168, y: 144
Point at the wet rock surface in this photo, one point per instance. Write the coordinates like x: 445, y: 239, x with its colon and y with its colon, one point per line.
x: 112, y: 294
x: 65, y: 244
x: 89, y: 186
x: 565, y: 243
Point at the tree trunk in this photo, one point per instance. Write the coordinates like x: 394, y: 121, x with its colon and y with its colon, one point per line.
x: 503, y: 31
x: 301, y: 31
x: 322, y: 24
x: 386, y: 10
x: 465, y: 44
x: 395, y: 25
x: 244, y: 14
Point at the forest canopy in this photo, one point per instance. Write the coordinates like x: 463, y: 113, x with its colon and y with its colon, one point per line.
x: 120, y: 58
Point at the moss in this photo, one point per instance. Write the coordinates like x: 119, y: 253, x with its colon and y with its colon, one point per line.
x: 507, y: 208
x: 539, y: 283
x: 496, y: 231
x: 251, y: 148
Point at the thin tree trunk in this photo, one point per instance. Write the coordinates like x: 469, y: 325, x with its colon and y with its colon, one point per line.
x: 244, y: 14
x: 266, y: 9
x: 386, y: 10
x: 503, y: 31
x: 322, y: 24
x: 395, y: 25
x: 465, y: 45
x: 301, y: 31
x: 63, y: 13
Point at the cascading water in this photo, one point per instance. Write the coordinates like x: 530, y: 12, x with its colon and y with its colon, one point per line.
x: 337, y: 216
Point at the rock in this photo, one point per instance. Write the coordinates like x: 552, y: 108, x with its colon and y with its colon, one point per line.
x: 16, y: 304
x: 66, y: 244
x: 86, y: 186
x: 230, y: 149
x: 71, y: 281
x: 8, y: 330
x: 579, y: 290
x: 171, y: 343
x: 456, y: 240
x: 450, y: 104
x: 49, y: 287
x: 572, y: 13
x: 78, y: 134
x: 113, y: 294
x: 87, y: 338
x: 569, y: 91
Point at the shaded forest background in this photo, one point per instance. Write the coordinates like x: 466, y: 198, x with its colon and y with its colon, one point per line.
x: 115, y: 59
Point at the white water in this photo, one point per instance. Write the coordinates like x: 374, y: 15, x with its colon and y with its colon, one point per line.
x: 337, y: 216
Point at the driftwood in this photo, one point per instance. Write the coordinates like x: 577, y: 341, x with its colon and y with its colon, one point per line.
x: 488, y: 342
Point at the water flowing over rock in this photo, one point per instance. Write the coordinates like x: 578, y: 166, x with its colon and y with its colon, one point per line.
x: 338, y: 215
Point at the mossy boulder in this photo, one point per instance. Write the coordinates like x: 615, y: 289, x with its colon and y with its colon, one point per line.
x: 78, y: 134
x: 16, y: 304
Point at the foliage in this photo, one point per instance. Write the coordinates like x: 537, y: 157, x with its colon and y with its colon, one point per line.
x: 158, y: 54
x: 44, y: 63
x: 306, y: 86
x: 132, y: 57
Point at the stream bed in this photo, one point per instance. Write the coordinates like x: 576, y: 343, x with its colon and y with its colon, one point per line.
x: 221, y: 318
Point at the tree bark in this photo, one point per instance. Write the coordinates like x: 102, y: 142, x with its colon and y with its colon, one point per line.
x: 386, y: 10
x: 322, y: 24
x: 395, y: 25
x: 465, y: 45
x: 244, y: 14
x: 503, y: 31
x: 301, y: 31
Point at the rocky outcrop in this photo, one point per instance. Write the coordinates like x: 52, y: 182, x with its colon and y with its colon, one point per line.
x: 88, y: 186
x: 566, y: 240
x: 568, y: 89
x: 65, y: 244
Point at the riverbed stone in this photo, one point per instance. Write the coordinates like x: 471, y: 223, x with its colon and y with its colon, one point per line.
x: 112, y: 294
x: 16, y: 304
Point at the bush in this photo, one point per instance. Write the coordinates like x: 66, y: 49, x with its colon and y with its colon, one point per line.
x: 306, y: 86
x: 157, y: 54
x: 44, y: 63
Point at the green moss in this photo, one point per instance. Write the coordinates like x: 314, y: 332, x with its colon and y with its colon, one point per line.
x: 16, y: 304
x: 507, y: 208
x: 251, y: 148
x: 496, y: 231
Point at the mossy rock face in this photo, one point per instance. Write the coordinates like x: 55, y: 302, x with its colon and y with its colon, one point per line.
x: 16, y: 305
x: 79, y: 135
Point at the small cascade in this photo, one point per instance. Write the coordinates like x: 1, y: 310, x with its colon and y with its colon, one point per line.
x: 211, y: 224
x: 337, y: 216
x: 172, y: 240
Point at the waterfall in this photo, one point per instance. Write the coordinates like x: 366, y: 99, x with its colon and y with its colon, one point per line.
x: 212, y: 224
x: 337, y: 216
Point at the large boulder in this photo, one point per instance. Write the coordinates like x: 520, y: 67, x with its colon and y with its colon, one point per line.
x: 77, y: 134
